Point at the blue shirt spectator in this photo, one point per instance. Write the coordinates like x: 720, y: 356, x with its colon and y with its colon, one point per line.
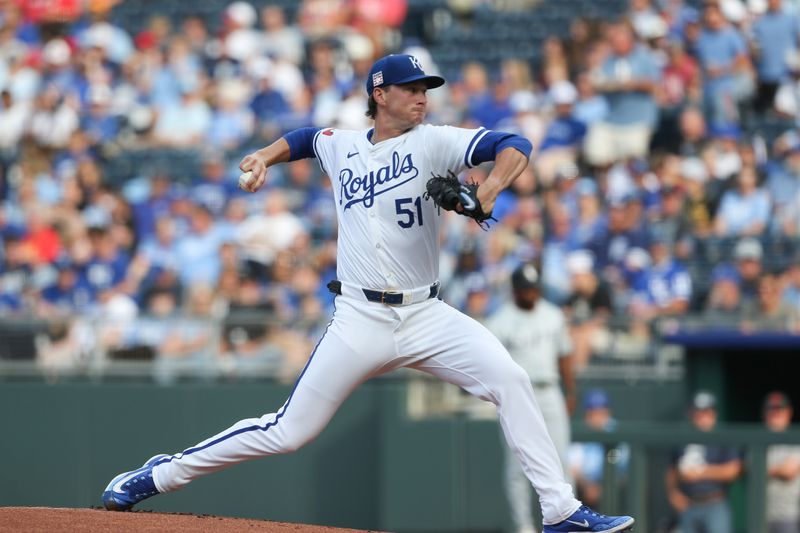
x: 722, y: 53
x: 776, y: 35
x: 668, y: 282
x: 744, y: 210
x: 611, y: 245
x: 718, y: 50
x: 198, y: 252
x: 625, y: 77
x: 108, y: 264
x: 70, y: 292
x: 563, y: 132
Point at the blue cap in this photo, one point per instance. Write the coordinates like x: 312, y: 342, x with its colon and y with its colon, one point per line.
x: 595, y: 399
x: 396, y: 69
x: 726, y: 131
x: 725, y: 272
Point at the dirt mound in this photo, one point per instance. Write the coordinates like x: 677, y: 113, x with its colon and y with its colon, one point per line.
x: 30, y: 519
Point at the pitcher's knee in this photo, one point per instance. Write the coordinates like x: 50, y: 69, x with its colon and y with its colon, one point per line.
x: 295, y: 441
x: 509, y: 381
x: 515, y: 376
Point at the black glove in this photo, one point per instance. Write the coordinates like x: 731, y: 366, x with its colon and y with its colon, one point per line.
x: 448, y: 193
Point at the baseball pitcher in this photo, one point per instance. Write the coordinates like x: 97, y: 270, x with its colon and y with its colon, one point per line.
x: 390, y: 183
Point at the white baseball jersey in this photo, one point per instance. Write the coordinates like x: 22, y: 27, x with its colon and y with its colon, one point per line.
x: 388, y: 232
x: 536, y: 339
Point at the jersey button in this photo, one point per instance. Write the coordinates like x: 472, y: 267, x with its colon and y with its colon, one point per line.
x: 372, y: 214
x: 378, y: 246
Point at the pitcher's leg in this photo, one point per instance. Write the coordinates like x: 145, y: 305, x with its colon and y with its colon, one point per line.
x: 466, y: 354
x: 317, y: 394
x: 556, y: 418
x: 518, y: 491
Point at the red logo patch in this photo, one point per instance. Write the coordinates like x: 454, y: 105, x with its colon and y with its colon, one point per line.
x: 328, y: 132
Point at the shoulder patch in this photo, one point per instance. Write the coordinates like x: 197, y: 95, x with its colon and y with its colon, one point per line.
x: 328, y: 132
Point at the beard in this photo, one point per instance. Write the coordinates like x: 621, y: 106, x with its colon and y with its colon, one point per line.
x: 525, y: 303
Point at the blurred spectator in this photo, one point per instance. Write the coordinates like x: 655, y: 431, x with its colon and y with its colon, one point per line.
x: 783, y: 185
x: 197, y: 253
x: 643, y: 17
x: 791, y: 291
x: 186, y: 124
x: 587, y: 459
x: 775, y: 42
x: 184, y: 341
x: 693, y: 132
x: 621, y: 234
x: 478, y: 302
x: 14, y: 115
x: 743, y: 211
x: 485, y: 105
x: 555, y: 64
x: 723, y: 306
x: 535, y: 333
x: 680, y: 81
x: 240, y: 40
x: 589, y: 107
x: 279, y: 39
x: 268, y: 104
x: 723, y: 160
x: 628, y: 80
x: 722, y: 53
x: 232, y: 122
x: 260, y: 247
x: 667, y: 284
x: 590, y: 220
x: 68, y: 294
x: 246, y: 330
x: 15, y: 276
x: 582, y: 32
x: 214, y: 187
x: 699, y: 475
x: 769, y: 312
x: 564, y: 135
x: 666, y: 218
x: 54, y: 118
x: 783, y: 468
x: 107, y: 265
x: 748, y: 255
x: 321, y: 18
x: 588, y: 307
x: 555, y: 279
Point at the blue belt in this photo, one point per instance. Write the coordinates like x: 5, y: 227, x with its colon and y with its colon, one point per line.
x: 382, y: 297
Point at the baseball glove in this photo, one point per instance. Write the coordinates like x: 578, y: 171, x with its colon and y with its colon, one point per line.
x: 447, y: 193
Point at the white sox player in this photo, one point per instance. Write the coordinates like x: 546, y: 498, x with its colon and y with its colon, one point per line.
x: 387, y: 314
x: 535, y: 333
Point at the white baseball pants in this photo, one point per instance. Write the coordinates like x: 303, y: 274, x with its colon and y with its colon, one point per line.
x: 518, y: 489
x: 364, y: 340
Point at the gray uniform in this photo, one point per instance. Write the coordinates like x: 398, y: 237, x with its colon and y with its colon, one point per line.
x: 783, y: 497
x: 536, y: 339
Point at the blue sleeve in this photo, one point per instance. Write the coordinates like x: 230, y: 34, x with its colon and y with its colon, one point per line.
x: 301, y: 143
x: 495, y: 142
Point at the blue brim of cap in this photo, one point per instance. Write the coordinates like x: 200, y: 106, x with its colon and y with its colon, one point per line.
x: 432, y: 82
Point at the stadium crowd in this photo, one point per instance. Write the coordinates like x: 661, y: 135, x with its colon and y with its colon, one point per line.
x: 651, y: 191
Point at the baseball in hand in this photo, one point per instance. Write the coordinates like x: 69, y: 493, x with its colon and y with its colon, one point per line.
x: 244, y: 180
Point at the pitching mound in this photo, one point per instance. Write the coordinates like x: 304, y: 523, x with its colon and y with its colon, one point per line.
x: 36, y: 519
